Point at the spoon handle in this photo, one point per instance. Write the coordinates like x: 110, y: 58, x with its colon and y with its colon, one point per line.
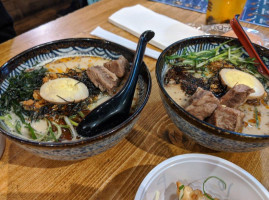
x: 117, y: 109
x: 140, y: 50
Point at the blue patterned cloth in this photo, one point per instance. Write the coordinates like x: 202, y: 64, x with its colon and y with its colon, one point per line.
x: 255, y: 12
x: 91, y: 1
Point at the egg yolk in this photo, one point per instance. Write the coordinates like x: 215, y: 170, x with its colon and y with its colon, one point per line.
x: 236, y: 77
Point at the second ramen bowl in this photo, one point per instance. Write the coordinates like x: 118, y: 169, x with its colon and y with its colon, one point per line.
x: 200, y: 131
x: 88, y: 146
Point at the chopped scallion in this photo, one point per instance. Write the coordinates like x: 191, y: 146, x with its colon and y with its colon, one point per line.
x: 18, y: 127
x: 71, y: 128
x: 210, y: 177
x: 81, y: 114
x: 73, y: 122
x: 52, y: 134
x: 32, y: 131
x: 181, y: 191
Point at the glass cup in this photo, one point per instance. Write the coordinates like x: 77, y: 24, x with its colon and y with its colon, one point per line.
x: 222, y: 11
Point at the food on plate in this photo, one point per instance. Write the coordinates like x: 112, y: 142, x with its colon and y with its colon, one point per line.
x: 185, y: 192
x: 48, y: 101
x: 221, y: 86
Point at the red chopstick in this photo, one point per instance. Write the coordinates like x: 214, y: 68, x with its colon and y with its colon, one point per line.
x: 246, y: 42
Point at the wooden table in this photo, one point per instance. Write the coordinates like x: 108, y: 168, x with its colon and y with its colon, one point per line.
x: 117, y: 173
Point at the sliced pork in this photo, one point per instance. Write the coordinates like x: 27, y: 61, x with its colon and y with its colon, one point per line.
x: 236, y: 96
x: 102, y: 78
x: 118, y: 67
x: 202, y: 104
x: 227, y: 118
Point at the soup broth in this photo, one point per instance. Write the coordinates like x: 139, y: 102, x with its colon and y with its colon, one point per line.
x: 183, y: 77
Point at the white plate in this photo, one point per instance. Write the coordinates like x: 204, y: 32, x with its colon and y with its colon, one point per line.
x: 193, y: 169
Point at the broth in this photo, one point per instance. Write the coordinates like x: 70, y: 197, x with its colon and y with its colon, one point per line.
x: 185, y: 73
x: 48, y: 121
x: 180, y: 97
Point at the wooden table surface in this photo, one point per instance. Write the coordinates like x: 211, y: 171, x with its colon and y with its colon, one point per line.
x: 118, y: 172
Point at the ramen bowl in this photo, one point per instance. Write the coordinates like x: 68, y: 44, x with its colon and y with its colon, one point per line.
x: 193, y: 170
x: 200, y: 131
x: 86, y: 146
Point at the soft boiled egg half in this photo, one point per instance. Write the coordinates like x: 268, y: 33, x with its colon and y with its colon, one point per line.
x: 64, y: 91
x: 231, y: 77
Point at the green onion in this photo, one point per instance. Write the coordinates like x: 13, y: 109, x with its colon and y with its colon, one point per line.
x: 71, y: 128
x: 199, y: 59
x: 181, y: 187
x: 172, y: 57
x: 181, y: 191
x: 21, y: 117
x: 59, y: 130
x: 51, y: 131
x: 32, y: 131
x: 64, y: 126
x: 18, y: 127
x: 9, y: 116
x: 210, y: 177
x: 7, y: 121
x: 81, y: 114
x: 73, y: 122
x: 52, y: 134
x: 72, y: 116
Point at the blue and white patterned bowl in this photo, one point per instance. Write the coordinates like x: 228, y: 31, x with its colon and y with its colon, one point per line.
x: 200, y: 131
x: 86, y: 147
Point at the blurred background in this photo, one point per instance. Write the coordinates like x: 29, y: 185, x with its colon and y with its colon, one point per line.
x: 29, y: 14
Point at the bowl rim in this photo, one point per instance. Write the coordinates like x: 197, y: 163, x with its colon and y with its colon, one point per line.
x: 85, y: 140
x: 178, y: 107
x: 161, y: 167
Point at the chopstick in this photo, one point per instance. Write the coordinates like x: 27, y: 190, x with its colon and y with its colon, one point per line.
x: 247, y: 44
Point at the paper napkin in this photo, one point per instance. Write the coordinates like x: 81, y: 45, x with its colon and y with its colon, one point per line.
x: 98, y: 31
x: 137, y: 19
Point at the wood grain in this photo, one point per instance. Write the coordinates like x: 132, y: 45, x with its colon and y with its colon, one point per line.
x: 118, y: 172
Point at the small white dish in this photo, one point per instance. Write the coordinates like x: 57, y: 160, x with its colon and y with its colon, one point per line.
x: 193, y: 169
x: 2, y: 145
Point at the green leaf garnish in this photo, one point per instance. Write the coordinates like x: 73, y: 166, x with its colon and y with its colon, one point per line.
x: 181, y: 191
x: 32, y: 131
x: 210, y: 177
x: 181, y: 187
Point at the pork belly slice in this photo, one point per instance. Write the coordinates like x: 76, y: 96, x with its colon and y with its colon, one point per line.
x: 236, y: 96
x: 202, y: 104
x: 227, y: 118
x: 118, y: 67
x: 102, y: 78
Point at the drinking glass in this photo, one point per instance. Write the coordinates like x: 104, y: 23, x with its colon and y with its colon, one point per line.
x: 222, y: 11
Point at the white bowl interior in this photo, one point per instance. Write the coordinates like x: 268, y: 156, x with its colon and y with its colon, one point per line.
x: 193, y: 169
